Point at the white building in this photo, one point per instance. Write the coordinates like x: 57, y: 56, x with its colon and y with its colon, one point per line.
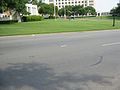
x: 62, y: 3
x: 32, y: 9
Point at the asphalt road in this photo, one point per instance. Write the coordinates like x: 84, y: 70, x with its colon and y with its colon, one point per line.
x: 66, y: 61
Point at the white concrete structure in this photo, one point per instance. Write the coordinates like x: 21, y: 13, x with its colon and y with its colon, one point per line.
x: 63, y: 3
x: 32, y: 9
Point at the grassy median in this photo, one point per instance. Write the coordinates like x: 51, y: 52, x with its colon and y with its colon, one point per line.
x: 57, y: 26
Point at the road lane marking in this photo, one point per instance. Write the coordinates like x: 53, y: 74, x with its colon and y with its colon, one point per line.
x: 111, y: 44
x: 33, y: 35
x: 63, y: 46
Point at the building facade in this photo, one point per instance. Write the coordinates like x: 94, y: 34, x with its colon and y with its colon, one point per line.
x: 32, y: 9
x: 62, y: 3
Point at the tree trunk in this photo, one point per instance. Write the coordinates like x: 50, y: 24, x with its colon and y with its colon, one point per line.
x: 19, y: 17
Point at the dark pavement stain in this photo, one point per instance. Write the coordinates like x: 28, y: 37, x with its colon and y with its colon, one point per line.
x: 31, y: 56
x: 1, y: 54
x: 41, y: 77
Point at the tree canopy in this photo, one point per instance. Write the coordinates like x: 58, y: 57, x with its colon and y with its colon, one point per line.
x: 116, y: 10
x: 47, y: 9
x: 77, y: 10
x: 17, y: 5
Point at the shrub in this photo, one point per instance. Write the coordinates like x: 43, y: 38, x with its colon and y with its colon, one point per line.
x: 51, y: 17
x: 8, y: 21
x: 32, y: 18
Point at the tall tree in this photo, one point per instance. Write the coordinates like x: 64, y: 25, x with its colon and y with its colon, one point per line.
x: 78, y: 10
x: 34, y: 2
x: 68, y: 10
x: 90, y: 10
x: 116, y: 10
x: 46, y: 9
x: 14, y: 5
x: 61, y: 12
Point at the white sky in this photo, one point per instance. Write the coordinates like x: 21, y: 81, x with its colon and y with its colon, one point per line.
x: 105, y: 5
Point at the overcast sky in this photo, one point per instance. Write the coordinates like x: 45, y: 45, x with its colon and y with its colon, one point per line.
x: 105, y: 5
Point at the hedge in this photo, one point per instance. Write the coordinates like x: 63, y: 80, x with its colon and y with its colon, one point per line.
x: 8, y: 21
x: 31, y: 18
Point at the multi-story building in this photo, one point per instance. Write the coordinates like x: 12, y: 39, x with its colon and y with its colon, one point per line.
x: 62, y: 3
x: 32, y: 9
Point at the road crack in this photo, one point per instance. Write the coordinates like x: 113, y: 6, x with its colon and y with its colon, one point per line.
x: 98, y: 62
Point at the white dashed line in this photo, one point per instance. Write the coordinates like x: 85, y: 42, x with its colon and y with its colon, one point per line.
x: 33, y: 35
x: 63, y: 46
x: 111, y: 44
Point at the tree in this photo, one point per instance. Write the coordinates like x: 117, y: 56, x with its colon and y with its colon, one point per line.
x: 14, y: 5
x: 2, y: 6
x: 78, y: 10
x: 81, y: 11
x: 46, y: 9
x: 19, y: 7
x: 35, y: 2
x: 118, y: 10
x: 75, y: 9
x: 115, y: 11
x: 68, y: 10
x: 51, y: 9
x: 56, y: 10
x: 61, y: 12
x: 90, y: 10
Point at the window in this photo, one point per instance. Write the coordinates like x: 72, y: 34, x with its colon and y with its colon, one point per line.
x: 91, y: 4
x: 90, y: 1
x: 29, y: 9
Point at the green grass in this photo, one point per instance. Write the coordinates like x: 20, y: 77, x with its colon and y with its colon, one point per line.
x: 60, y: 25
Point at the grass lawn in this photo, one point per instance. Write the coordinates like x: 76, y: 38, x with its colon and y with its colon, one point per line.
x: 60, y: 25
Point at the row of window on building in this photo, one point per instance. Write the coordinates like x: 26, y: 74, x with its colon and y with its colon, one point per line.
x: 63, y: 3
x: 72, y: 0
